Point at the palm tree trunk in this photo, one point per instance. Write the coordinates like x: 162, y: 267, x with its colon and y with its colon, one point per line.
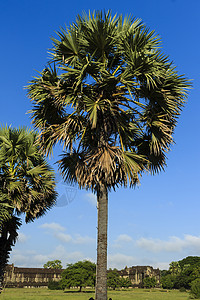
x: 101, y: 271
x: 5, y: 249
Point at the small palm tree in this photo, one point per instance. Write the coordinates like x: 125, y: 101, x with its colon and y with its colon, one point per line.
x: 26, y: 185
x: 112, y: 98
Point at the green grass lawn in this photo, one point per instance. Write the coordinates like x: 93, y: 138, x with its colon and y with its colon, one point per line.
x: 135, y: 294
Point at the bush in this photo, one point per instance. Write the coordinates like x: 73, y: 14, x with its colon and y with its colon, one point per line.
x: 182, y: 289
x: 149, y: 282
x: 54, y: 285
x: 195, y: 289
x: 167, y: 281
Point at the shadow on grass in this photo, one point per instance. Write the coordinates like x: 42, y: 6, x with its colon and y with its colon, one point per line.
x: 78, y: 292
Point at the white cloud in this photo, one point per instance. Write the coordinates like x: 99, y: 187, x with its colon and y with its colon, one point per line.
x: 22, y: 238
x: 78, y: 239
x: 120, y: 261
x: 19, y: 259
x: 161, y: 265
x: 52, y: 226
x: 91, y: 198
x: 123, y: 238
x: 83, y: 239
x: 63, y: 237
x: 28, y: 259
x: 174, y: 244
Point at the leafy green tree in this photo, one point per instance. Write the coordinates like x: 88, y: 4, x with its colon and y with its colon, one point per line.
x: 182, y: 273
x: 174, y: 268
x: 80, y: 274
x: 149, y: 282
x: 189, y: 260
x: 53, y: 264
x: 164, y: 272
x: 27, y: 185
x: 182, y: 281
x: 167, y: 281
x: 113, y: 279
x: 113, y: 99
x: 54, y: 285
x: 125, y: 282
x: 195, y: 289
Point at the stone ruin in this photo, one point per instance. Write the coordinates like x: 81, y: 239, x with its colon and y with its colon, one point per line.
x: 30, y: 277
x: 137, y: 274
x: 39, y: 277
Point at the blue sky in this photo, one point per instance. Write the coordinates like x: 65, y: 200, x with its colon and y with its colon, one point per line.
x: 157, y: 222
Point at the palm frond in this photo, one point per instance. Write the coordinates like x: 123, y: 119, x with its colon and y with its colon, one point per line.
x: 112, y: 99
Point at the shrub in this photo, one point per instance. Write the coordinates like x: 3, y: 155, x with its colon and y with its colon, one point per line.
x: 195, y: 289
x: 149, y: 282
x: 167, y: 281
x: 54, y: 285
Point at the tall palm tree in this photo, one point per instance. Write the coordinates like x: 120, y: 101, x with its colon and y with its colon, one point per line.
x: 27, y: 185
x: 112, y: 98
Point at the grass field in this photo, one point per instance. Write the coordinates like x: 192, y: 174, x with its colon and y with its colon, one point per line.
x: 135, y: 294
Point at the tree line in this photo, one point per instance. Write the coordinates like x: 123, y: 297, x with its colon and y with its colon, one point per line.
x: 83, y: 274
x: 183, y: 275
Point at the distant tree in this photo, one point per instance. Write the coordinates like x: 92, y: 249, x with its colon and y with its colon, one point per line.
x: 189, y: 260
x: 195, y: 289
x: 182, y: 281
x: 149, y: 282
x: 113, y: 279
x: 195, y: 272
x: 80, y: 274
x: 174, y: 268
x: 53, y: 264
x: 54, y: 285
x: 167, y: 281
x: 125, y: 282
x: 164, y: 272
x: 181, y: 274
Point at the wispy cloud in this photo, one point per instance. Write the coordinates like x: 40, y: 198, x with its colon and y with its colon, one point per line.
x: 91, y: 198
x: 63, y: 237
x: 83, y: 239
x: 122, y: 240
x: 36, y: 259
x: 58, y: 232
x: 22, y: 238
x: 52, y: 226
x: 120, y: 261
x: 174, y: 244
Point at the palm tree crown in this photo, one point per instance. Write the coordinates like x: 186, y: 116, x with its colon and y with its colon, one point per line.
x: 27, y: 186
x: 113, y: 100
x: 27, y: 183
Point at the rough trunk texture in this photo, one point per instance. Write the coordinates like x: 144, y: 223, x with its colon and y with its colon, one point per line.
x: 101, y: 268
x: 5, y: 248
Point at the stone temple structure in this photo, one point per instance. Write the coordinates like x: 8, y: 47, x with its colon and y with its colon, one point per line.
x: 30, y: 277
x: 39, y: 277
x: 138, y: 273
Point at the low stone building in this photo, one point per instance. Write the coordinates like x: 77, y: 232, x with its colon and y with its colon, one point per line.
x: 30, y: 277
x: 138, y: 273
x: 39, y: 277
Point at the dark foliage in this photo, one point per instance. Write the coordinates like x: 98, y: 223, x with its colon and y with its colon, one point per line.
x: 54, y: 285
